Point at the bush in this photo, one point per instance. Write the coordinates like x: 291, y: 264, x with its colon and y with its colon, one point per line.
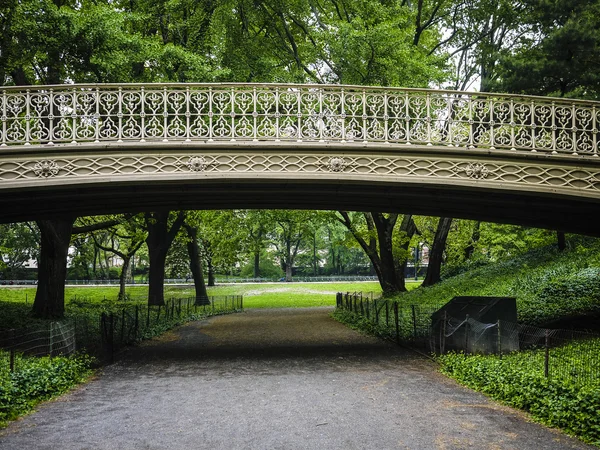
x: 37, y: 379
x: 554, y: 402
x: 548, y: 284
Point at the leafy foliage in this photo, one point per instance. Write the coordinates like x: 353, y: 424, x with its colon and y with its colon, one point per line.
x: 548, y: 284
x: 37, y: 379
x: 511, y: 380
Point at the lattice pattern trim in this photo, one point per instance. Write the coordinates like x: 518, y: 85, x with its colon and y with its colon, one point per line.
x: 307, y: 113
x: 389, y: 168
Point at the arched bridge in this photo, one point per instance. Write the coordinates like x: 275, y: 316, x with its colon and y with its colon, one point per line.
x: 86, y: 149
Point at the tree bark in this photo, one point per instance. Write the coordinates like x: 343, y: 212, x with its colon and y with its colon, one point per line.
x: 123, y: 276
x: 561, y: 241
x: 382, y: 255
x: 256, y: 264
x: 409, y: 227
x: 196, y: 265
x: 211, y: 271
x: 49, y: 300
x: 474, y: 239
x: 159, y: 240
x: 437, y: 252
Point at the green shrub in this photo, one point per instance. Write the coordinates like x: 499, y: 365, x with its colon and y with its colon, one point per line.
x: 37, y: 379
x: 515, y: 382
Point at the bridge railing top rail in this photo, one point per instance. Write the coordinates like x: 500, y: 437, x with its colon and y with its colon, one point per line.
x: 294, y: 86
x: 88, y: 113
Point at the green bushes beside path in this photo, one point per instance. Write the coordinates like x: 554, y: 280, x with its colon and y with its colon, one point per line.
x: 513, y: 381
x: 549, y: 285
x: 37, y: 379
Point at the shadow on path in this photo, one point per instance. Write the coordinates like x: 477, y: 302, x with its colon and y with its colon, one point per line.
x: 275, y: 379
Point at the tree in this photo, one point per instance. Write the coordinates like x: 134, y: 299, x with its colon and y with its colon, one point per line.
x: 193, y: 248
x: 291, y: 229
x: 162, y: 228
x: 388, y: 251
x: 561, y: 56
x: 125, y: 240
x: 19, y: 243
x: 436, y: 252
x: 52, y: 269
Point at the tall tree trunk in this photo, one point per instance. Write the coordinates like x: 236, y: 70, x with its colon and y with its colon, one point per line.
x: 159, y: 240
x: 288, y: 269
x: 196, y: 265
x: 437, y: 252
x: 211, y: 271
x: 385, y: 230
x: 409, y: 228
x: 52, y: 271
x: 315, y: 263
x: 382, y: 258
x: 474, y: 239
x: 123, y: 277
x: 256, y: 264
x: 561, y: 241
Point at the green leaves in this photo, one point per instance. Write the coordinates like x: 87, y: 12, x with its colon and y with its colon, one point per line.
x: 516, y: 380
x: 37, y: 379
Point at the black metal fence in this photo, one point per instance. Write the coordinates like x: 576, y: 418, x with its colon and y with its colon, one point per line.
x: 137, y: 322
x: 562, y: 354
x: 389, y: 319
x: 54, y: 338
x: 102, y: 334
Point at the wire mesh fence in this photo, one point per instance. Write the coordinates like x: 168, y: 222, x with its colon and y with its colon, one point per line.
x: 129, y: 324
x: 101, y: 334
x: 52, y: 339
x: 559, y: 354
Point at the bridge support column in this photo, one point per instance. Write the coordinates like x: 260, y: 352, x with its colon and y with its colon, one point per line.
x: 52, y: 271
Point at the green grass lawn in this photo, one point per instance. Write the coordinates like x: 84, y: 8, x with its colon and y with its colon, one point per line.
x: 256, y: 295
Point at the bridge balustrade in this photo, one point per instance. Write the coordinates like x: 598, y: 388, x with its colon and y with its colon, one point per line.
x: 72, y: 114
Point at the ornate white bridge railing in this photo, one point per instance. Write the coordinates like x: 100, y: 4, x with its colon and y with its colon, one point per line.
x: 307, y: 113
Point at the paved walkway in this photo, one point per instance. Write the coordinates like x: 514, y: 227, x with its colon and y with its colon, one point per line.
x: 275, y: 379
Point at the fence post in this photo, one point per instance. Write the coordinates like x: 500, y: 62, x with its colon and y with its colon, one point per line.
x: 467, y: 334
x: 547, y: 356
x: 137, y: 322
x: 387, y: 314
x: 241, y: 302
x: 180, y: 307
x: 122, y: 326
x: 147, y: 316
x: 414, y: 314
x: 443, y: 333
x: 376, y: 311
x: 12, y: 350
x: 499, y: 339
x: 397, y: 319
x: 51, y: 344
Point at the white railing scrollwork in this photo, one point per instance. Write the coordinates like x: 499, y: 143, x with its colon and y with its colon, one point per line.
x: 42, y: 115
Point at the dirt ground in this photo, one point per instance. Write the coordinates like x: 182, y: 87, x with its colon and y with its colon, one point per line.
x: 275, y: 379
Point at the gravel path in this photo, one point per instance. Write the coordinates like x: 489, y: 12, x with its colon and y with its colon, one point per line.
x: 275, y: 379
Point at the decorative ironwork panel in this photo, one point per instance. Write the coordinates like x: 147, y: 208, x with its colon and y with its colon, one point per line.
x: 523, y: 175
x: 309, y: 113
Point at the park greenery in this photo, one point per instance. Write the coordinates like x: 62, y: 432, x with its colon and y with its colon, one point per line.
x: 539, y: 47
x: 556, y: 289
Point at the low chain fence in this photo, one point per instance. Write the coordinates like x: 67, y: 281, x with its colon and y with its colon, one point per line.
x: 569, y: 355
x: 390, y: 319
x: 101, y: 334
x: 130, y: 324
x: 55, y: 338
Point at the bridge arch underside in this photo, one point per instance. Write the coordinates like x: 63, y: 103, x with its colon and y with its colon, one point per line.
x: 561, y: 193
